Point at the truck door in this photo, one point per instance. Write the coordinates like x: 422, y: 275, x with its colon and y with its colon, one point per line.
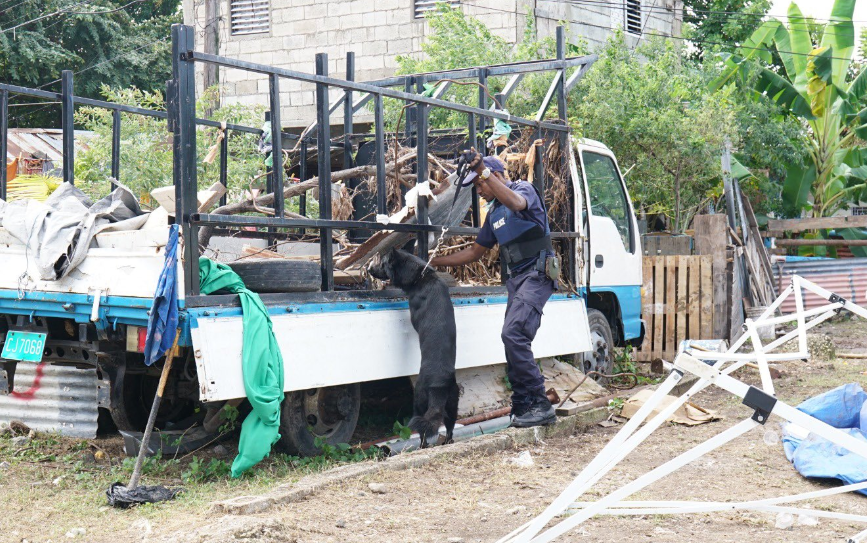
x: 615, y: 253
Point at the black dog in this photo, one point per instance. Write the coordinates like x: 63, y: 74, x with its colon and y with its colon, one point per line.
x: 436, y: 395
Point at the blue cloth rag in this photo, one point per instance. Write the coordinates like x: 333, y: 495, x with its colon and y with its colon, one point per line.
x: 163, y: 319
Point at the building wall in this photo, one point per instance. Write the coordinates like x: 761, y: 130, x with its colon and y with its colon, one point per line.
x: 378, y: 31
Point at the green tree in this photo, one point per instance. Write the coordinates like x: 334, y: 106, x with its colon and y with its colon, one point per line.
x: 146, y: 149
x: 117, y: 41
x: 711, y: 23
x: 654, y: 111
x: 815, y: 86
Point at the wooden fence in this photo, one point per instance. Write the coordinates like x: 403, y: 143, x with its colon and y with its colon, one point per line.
x: 677, y: 303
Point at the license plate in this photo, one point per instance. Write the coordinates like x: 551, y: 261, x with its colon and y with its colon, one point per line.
x: 24, y: 346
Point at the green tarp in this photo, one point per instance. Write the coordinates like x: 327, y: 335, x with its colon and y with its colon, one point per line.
x: 262, y: 366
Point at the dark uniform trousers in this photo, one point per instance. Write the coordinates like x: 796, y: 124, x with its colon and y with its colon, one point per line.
x: 528, y: 293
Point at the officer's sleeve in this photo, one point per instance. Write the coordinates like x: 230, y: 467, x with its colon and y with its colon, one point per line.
x: 486, y: 234
x: 526, y: 190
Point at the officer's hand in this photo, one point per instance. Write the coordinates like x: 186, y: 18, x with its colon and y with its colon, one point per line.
x: 471, y: 158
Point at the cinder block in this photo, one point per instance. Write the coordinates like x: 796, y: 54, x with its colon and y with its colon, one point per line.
x: 338, y: 9
x: 400, y: 46
x: 244, y: 88
x: 378, y: 47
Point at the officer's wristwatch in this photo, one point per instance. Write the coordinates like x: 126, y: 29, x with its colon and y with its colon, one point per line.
x: 486, y: 173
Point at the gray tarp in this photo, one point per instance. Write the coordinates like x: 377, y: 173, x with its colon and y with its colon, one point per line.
x: 59, y: 231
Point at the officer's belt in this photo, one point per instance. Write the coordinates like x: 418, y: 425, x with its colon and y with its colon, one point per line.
x: 518, y: 251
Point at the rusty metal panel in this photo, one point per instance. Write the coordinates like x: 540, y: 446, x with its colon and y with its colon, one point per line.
x: 63, y: 400
x: 844, y: 277
x: 42, y: 143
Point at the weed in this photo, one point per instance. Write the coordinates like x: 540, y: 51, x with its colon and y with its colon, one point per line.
x: 616, y: 404
x: 200, y: 471
x: 402, y: 430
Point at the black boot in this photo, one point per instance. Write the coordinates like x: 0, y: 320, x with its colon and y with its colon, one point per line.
x: 541, y: 413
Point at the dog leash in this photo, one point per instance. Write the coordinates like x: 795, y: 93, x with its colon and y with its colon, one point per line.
x: 462, y: 172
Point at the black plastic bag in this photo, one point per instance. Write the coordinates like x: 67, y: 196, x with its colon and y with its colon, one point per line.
x: 120, y: 496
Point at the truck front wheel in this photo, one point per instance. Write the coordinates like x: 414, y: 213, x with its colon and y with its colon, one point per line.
x: 329, y: 414
x: 601, y: 356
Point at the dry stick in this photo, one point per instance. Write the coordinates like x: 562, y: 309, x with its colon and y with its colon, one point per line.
x: 164, y: 376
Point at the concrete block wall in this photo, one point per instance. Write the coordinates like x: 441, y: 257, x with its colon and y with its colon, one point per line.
x: 378, y: 31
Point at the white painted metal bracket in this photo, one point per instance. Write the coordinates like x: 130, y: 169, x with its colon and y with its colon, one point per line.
x: 761, y: 400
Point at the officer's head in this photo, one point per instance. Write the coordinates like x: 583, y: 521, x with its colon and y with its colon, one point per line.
x: 497, y: 176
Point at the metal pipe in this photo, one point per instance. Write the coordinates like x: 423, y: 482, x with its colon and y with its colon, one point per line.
x: 276, y: 145
x: 115, y: 147
x: 381, y: 203
x: 224, y: 165
x: 67, y: 123
x: 4, y: 135
x: 324, y: 149
x: 421, y: 171
x: 347, y: 112
x: 302, y: 173
x: 460, y: 434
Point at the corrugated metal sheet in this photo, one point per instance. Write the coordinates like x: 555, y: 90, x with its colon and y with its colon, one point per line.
x: 42, y: 143
x: 65, y: 402
x: 844, y: 277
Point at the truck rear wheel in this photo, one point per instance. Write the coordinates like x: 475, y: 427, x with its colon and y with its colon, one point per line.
x: 601, y: 357
x: 329, y: 414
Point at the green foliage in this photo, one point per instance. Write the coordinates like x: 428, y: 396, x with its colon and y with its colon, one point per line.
x: 402, y: 430
x: 146, y: 148
x: 199, y: 470
x: 654, y: 111
x: 130, y: 47
x: 709, y: 23
x: 821, y: 87
x: 229, y: 415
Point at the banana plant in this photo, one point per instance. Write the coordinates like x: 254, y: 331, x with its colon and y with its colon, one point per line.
x: 814, y: 85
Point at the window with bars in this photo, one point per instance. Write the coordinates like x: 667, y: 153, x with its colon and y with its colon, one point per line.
x: 250, y: 16
x: 632, y: 12
x: 423, y: 6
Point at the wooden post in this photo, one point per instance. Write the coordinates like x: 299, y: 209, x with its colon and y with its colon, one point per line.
x: 711, y: 239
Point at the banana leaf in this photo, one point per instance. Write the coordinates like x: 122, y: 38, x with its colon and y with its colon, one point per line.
x: 756, y: 46
x: 840, y: 37
x: 797, y: 40
x: 852, y: 234
x: 783, y: 93
x: 796, y: 187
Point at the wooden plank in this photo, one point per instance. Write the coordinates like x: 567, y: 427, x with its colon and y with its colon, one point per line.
x: 682, y: 299
x: 818, y: 223
x: 763, y: 257
x: 658, y: 305
x: 821, y: 242
x: 695, y: 294
x: 736, y: 303
x: 707, y: 302
x: 711, y: 238
x: 665, y: 245
x: 647, y: 310
x: 670, y: 304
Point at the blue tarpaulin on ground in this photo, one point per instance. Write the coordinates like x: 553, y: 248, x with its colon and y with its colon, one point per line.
x: 816, y: 457
x: 163, y: 319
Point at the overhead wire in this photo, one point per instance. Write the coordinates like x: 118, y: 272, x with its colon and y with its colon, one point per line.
x: 43, y: 16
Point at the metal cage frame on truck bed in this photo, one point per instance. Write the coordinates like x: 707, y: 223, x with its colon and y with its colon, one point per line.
x: 181, y: 108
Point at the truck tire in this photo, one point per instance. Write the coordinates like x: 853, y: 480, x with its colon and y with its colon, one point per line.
x: 601, y: 358
x: 329, y: 413
x: 276, y: 275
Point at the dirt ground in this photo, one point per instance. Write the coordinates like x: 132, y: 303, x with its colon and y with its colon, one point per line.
x: 480, y: 498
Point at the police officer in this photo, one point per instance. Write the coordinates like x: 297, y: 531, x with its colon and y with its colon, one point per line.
x: 518, y: 222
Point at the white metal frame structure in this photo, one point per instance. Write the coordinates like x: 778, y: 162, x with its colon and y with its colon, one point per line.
x: 761, y: 400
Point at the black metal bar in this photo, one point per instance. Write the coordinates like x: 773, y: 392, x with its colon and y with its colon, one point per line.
x: 483, y: 105
x: 493, y: 71
x: 115, y: 147
x: 409, y: 114
x: 302, y: 174
x: 224, y: 164
x: 324, y: 149
x: 183, y: 39
x: 562, y: 114
x: 471, y: 142
x: 236, y: 221
x: 4, y: 134
x: 379, y: 128
x: 276, y: 146
x: 363, y: 87
x: 347, y: 112
x: 539, y: 166
x: 67, y: 122
x: 421, y: 171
